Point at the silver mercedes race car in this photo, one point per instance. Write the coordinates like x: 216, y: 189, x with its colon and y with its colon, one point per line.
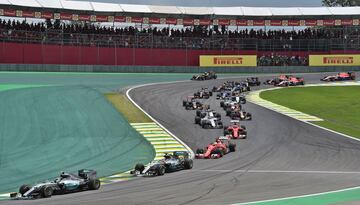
x: 179, y: 160
x: 65, y: 183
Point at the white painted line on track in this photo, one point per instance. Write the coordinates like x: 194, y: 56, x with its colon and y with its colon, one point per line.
x: 187, y: 148
x: 297, y: 197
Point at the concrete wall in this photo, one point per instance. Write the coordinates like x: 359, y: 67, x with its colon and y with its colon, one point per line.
x: 169, y: 69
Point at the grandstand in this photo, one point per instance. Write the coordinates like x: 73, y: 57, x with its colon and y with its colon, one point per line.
x: 74, y: 33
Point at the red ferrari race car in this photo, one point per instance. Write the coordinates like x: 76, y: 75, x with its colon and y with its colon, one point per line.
x: 340, y: 77
x: 285, y: 80
x: 236, y: 131
x: 291, y: 81
x: 276, y: 80
x: 219, y: 148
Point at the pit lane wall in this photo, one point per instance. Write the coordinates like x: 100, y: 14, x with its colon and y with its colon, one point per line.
x: 172, y: 69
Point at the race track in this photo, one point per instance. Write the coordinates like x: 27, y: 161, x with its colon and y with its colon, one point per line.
x: 282, y: 157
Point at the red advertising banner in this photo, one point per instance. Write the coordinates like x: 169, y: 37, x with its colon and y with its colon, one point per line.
x: 84, y: 18
x: 347, y: 22
x: 174, y: 21
x: 204, y: 22
x: 293, y: 22
x: 276, y: 23
x: 171, y: 21
x: 259, y: 23
x: 224, y: 22
x: 47, y: 15
x: 310, y: 22
x: 241, y: 22
x: 188, y: 21
x: 136, y: 19
x: 9, y: 12
x: 154, y: 20
x: 120, y: 19
x: 102, y: 18
x: 28, y: 14
x: 329, y: 22
x: 65, y: 16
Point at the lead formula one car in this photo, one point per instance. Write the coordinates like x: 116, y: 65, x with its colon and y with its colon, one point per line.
x: 218, y: 149
x: 205, y: 76
x: 65, y: 183
x: 179, y: 160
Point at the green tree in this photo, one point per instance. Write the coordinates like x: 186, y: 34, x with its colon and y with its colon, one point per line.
x: 341, y: 2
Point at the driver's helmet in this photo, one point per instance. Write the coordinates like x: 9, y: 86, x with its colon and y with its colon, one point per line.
x: 167, y: 156
x: 64, y: 175
x: 218, y: 140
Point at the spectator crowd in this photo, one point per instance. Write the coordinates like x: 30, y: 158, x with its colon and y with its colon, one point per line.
x: 282, y: 60
x: 196, y: 37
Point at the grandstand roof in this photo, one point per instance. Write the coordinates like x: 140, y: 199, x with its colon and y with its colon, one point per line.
x: 179, y: 10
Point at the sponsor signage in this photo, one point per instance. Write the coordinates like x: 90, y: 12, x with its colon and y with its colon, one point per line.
x: 334, y: 60
x: 227, y: 60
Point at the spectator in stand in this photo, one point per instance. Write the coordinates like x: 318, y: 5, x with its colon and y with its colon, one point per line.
x: 282, y: 60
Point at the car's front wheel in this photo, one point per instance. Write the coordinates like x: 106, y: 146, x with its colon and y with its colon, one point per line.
x: 46, y: 191
x: 24, y: 188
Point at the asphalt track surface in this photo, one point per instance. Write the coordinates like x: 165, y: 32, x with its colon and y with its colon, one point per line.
x: 282, y: 157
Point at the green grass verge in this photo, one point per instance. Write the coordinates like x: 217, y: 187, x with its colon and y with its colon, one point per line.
x: 339, y: 106
x: 127, y: 108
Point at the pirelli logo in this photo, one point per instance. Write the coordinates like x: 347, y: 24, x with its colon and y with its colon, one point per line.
x: 227, y: 60
x: 338, y: 60
x: 334, y: 60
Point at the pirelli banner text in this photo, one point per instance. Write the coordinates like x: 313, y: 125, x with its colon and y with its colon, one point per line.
x: 227, y: 60
x: 334, y: 60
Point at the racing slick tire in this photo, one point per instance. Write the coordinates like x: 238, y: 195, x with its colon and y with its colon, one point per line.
x: 228, y: 111
x: 188, y: 164
x: 184, y: 103
x: 222, y: 104
x: 232, y: 147
x: 197, y: 120
x: 46, y: 191
x: 160, y: 170
x: 94, y: 184
x: 210, y: 93
x: 218, y: 151
x: 249, y: 116
x: 139, y: 167
x: 218, y: 116
x: 205, y: 126
x: 243, y: 127
x: 24, y: 188
x: 198, y: 112
x: 200, y: 151
x: 244, y: 133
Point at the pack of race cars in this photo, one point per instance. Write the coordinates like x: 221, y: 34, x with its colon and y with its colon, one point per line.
x: 231, y: 98
x: 230, y: 95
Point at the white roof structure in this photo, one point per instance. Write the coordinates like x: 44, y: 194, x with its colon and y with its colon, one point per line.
x: 176, y: 10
